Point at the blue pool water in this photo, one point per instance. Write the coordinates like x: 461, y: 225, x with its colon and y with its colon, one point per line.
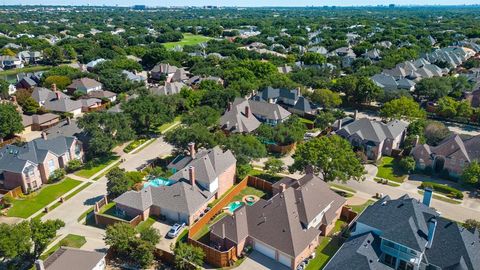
x: 158, y: 182
x: 234, y: 206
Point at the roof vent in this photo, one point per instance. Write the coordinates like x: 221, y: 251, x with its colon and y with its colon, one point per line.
x: 384, y: 203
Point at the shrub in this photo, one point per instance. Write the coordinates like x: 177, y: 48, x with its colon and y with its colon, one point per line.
x: 447, y: 190
x: 7, y: 200
x: 56, y: 176
x: 74, y: 165
x: 407, y: 164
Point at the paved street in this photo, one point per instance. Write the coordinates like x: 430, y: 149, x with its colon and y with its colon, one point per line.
x: 73, y: 208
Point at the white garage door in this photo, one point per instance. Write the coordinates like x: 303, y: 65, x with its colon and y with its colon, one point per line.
x: 285, y: 260
x: 265, y: 250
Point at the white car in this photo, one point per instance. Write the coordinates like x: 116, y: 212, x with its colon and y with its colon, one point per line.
x: 175, y: 230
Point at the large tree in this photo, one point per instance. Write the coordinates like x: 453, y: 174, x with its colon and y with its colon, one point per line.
x: 4, y: 89
x: 10, y: 120
x: 43, y: 232
x: 149, y: 112
x: 201, y: 135
x: 471, y: 174
x: 118, y: 182
x: 15, y: 240
x: 402, y: 108
x: 204, y: 115
x: 186, y: 255
x: 245, y: 147
x: 331, y: 157
x: 326, y: 98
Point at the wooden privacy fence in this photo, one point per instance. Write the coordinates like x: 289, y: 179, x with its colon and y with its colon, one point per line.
x: 106, y: 220
x: 215, y: 257
x: 14, y: 193
x: 217, y: 208
x: 259, y: 183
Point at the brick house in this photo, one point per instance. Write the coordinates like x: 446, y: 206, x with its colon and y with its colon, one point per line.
x: 286, y: 228
x: 374, y: 137
x: 30, y: 165
x: 199, y: 178
x: 452, y: 154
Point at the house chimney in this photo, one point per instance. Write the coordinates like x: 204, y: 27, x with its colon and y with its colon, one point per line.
x: 355, y: 115
x: 283, y: 187
x: 230, y: 106
x: 69, y: 121
x: 191, y: 149
x: 427, y: 196
x: 44, y: 135
x: 247, y: 111
x: 191, y: 175
x: 339, y: 124
x: 57, y: 95
x: 39, y: 265
x: 308, y: 169
x: 432, y: 226
x: 416, y: 141
x: 54, y: 87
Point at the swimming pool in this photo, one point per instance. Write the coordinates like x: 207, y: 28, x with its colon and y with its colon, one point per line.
x: 158, y: 182
x: 234, y: 206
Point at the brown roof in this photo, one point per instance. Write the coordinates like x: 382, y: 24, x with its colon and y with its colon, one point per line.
x: 73, y: 259
x: 84, y: 83
x: 282, y: 222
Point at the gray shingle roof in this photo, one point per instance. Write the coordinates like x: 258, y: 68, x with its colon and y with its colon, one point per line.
x: 73, y: 259
x: 235, y: 120
x: 170, y: 88
x: 279, y: 222
x: 372, y: 130
x: 14, y: 158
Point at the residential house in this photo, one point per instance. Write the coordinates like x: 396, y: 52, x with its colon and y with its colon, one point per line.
x: 26, y: 83
x: 161, y: 72
x: 73, y: 259
x: 68, y: 128
x: 452, y: 154
x: 374, y: 55
x: 84, y: 85
x: 30, y: 57
x: 57, y: 101
x: 403, y: 234
x: 374, y: 137
x: 198, y: 179
x: 30, y: 165
x: 91, y: 65
x: 291, y: 99
x: 133, y: 77
x: 169, y: 88
x: 103, y: 95
x: 10, y: 62
x: 244, y: 116
x: 285, y: 69
x: 196, y: 80
x: 287, y: 227
x: 38, y: 122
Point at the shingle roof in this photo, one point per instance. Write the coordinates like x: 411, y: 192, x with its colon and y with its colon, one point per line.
x: 235, y: 120
x: 84, y: 84
x: 372, y: 130
x: 170, y: 88
x: 73, y: 259
x: 279, y: 222
x: 14, y: 158
x: 209, y: 165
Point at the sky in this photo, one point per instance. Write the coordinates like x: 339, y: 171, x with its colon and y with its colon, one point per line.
x: 240, y: 3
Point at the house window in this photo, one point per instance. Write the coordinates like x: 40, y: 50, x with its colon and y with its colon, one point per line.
x: 67, y: 155
x: 78, y: 150
x: 51, y: 166
x: 403, y: 265
x: 390, y: 260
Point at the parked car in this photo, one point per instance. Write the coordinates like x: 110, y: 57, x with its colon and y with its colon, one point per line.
x: 175, y: 230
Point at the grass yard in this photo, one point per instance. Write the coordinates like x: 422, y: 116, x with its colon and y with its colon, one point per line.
x: 145, y: 224
x: 31, y: 204
x: 390, y: 169
x: 136, y: 143
x: 343, y: 187
x: 324, y: 252
x: 361, y: 207
x: 25, y: 70
x: 100, y: 164
x: 249, y: 191
x: 84, y: 214
x: 71, y: 240
x: 167, y: 126
x: 205, y: 229
x: 188, y: 39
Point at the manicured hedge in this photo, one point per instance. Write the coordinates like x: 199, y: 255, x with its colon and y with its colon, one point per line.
x: 444, y: 189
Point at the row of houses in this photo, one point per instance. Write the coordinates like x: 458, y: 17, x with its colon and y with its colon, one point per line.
x: 20, y: 60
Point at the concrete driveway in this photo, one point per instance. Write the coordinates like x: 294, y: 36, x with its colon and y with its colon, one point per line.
x: 163, y: 228
x: 259, y: 261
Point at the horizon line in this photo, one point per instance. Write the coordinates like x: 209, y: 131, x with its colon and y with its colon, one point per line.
x: 271, y: 6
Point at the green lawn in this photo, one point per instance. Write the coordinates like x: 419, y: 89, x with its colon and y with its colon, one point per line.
x: 145, y: 224
x: 71, y: 240
x: 205, y: 229
x: 327, y: 248
x: 25, y: 69
x: 27, y: 206
x: 136, y: 143
x: 188, y: 39
x: 161, y: 129
x: 342, y: 187
x: 361, y: 207
x: 84, y: 214
x: 390, y: 169
x: 248, y: 191
x: 99, y: 165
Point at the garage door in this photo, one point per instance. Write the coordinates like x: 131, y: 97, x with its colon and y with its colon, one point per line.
x: 265, y: 250
x: 284, y: 259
